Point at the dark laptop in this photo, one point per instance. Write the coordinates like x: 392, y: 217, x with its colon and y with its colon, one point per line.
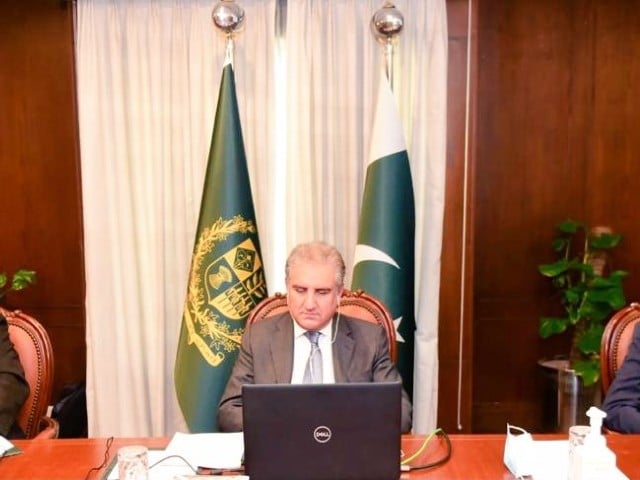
x: 345, y: 431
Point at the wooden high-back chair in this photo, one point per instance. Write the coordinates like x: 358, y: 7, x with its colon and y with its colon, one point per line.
x: 356, y: 304
x: 617, y: 336
x: 32, y: 343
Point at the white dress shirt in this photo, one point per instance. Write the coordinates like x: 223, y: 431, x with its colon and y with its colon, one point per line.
x: 302, y: 349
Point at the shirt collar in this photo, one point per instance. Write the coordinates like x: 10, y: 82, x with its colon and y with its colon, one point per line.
x: 299, y: 331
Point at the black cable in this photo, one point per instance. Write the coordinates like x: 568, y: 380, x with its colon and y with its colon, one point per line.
x: 104, y: 462
x: 437, y: 462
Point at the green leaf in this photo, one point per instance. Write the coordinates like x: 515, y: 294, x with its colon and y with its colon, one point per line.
x: 574, y: 294
x: 604, y: 241
x: 569, y: 226
x: 589, y: 370
x: 619, y: 275
x: 22, y: 279
x: 595, y: 311
x: 580, y: 267
x: 552, y: 326
x: 613, y: 298
x: 3, y: 279
x: 553, y: 269
x: 589, y: 341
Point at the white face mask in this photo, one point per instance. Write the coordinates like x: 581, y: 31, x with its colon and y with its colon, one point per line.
x: 518, y: 452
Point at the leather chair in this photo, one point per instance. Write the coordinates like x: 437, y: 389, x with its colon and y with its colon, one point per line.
x: 356, y: 304
x: 617, y: 336
x: 33, y: 346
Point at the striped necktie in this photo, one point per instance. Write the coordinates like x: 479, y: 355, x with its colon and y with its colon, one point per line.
x: 313, y: 371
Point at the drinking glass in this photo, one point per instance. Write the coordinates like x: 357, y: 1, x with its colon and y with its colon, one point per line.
x: 133, y: 463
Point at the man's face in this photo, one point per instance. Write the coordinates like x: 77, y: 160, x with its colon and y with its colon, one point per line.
x: 312, y: 294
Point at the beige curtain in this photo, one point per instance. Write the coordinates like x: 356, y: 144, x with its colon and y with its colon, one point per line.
x: 332, y: 73
x: 148, y: 76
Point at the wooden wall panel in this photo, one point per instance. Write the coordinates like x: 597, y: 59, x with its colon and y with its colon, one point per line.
x: 522, y: 138
x: 555, y: 139
x: 610, y: 195
x: 454, y: 386
x: 39, y: 164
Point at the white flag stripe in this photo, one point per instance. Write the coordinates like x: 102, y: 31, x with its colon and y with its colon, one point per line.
x: 387, y: 135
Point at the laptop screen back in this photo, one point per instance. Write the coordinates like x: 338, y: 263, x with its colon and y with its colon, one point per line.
x: 347, y: 431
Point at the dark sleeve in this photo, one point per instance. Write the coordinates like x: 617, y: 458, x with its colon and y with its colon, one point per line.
x: 384, y: 370
x: 230, y: 406
x: 14, y: 388
x: 622, y: 402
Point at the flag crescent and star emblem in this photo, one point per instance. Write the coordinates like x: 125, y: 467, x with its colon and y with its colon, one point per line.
x: 366, y: 253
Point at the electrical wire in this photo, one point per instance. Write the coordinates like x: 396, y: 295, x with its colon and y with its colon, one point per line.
x: 104, y: 461
x: 174, y: 456
x: 404, y: 464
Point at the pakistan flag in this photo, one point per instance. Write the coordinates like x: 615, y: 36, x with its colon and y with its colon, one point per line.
x: 384, y: 256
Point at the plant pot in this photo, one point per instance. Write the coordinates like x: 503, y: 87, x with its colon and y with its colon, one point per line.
x: 572, y: 397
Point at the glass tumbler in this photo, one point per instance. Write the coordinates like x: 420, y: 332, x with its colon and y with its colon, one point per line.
x: 577, y: 434
x: 133, y: 463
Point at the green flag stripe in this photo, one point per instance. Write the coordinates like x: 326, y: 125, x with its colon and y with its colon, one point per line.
x: 388, y: 208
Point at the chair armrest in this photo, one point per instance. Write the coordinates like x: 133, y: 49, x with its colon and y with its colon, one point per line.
x: 47, y: 429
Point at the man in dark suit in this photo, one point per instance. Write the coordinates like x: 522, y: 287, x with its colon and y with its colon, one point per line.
x: 622, y: 402
x: 14, y: 388
x: 277, y: 349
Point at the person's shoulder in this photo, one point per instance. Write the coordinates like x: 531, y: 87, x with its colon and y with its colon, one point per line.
x: 270, y: 322
x: 361, y: 325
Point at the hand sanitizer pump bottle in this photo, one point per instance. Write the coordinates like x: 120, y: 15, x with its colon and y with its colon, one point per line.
x: 593, y: 460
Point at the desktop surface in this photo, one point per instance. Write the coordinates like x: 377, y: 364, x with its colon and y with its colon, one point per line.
x: 474, y: 456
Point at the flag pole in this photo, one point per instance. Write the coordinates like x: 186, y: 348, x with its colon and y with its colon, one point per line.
x: 386, y: 26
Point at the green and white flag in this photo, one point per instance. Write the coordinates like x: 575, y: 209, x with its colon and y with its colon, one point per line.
x: 384, y: 256
x: 226, y: 279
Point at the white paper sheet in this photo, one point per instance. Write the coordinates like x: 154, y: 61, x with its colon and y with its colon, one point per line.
x: 215, y: 450
x: 5, y: 445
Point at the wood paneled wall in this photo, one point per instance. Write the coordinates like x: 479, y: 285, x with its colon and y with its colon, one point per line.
x: 552, y: 110
x: 557, y: 105
x: 40, y: 211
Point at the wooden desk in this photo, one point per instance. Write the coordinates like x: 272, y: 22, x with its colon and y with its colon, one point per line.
x: 474, y: 456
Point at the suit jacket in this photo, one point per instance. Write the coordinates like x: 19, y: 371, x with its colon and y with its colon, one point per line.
x: 622, y: 402
x: 14, y: 388
x: 360, y: 354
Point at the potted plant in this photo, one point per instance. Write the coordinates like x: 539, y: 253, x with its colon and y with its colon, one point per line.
x: 20, y: 280
x: 588, y: 291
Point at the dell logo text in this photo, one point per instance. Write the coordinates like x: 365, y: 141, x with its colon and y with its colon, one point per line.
x: 322, y: 434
